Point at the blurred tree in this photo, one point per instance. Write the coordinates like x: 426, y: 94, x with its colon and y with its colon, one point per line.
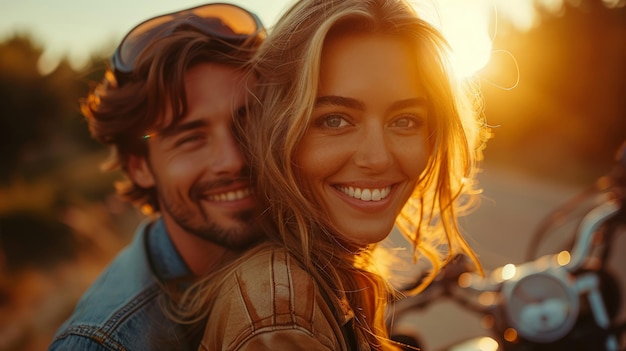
x: 59, y: 223
x: 42, y: 132
x: 24, y: 103
x: 49, y: 164
x: 567, y: 116
x: 30, y: 240
x: 36, y: 112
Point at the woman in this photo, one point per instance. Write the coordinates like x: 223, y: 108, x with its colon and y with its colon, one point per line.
x: 357, y: 124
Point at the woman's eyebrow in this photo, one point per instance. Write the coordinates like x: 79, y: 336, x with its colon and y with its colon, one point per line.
x: 412, y: 102
x: 339, y: 101
x: 335, y: 100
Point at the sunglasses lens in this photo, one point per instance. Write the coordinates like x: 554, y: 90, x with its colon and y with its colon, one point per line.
x: 234, y: 20
x: 137, y: 40
x: 221, y: 20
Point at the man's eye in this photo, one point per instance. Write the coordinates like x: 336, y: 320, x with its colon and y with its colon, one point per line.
x: 190, y: 139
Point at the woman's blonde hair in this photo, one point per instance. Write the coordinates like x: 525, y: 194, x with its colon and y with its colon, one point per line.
x: 287, y: 69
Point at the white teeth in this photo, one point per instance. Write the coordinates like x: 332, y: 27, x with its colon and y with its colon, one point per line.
x: 376, y: 195
x: 230, y: 195
x: 366, y: 194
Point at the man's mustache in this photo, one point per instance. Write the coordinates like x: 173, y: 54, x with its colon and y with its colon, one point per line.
x: 200, y: 189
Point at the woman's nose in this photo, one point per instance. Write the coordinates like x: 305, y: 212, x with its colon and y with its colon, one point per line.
x: 372, y: 151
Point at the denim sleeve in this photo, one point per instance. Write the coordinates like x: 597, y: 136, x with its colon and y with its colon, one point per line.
x: 83, y: 341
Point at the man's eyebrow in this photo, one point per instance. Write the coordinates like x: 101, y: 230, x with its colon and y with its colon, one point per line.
x: 181, y: 127
x: 339, y: 101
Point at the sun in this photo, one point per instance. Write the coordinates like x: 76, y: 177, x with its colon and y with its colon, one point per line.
x: 465, y: 24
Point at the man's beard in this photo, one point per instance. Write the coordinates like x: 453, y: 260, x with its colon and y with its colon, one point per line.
x: 236, y: 238
x: 200, y: 224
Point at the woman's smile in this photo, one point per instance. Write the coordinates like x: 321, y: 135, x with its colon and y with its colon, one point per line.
x: 365, y: 194
x: 365, y: 147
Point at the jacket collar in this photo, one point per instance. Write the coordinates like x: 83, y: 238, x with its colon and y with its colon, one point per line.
x: 165, y: 260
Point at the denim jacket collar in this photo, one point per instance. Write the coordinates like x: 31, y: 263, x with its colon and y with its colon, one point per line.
x: 165, y: 260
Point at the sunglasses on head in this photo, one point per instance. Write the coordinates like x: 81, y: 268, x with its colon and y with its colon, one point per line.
x: 227, y: 22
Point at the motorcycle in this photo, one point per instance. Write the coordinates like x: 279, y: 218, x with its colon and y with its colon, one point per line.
x: 563, y: 301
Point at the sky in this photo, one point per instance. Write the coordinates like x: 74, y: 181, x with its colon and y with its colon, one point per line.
x: 78, y: 29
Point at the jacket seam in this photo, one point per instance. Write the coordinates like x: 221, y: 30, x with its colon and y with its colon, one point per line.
x: 130, y: 308
x: 296, y: 321
x: 103, y: 334
x: 274, y: 328
x: 98, y: 335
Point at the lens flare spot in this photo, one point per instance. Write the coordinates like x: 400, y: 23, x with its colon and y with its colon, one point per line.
x: 563, y: 258
x: 510, y: 335
x: 508, y: 271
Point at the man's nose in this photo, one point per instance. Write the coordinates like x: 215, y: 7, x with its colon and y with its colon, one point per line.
x: 227, y: 156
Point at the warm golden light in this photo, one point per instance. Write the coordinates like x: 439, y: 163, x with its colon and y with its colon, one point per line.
x: 508, y: 271
x: 487, y: 298
x: 563, y: 258
x: 510, y: 335
x: 465, y: 280
x: 465, y: 26
x: 487, y: 344
x: 487, y: 322
x: 469, y: 38
x: 614, y: 3
x: 471, y: 26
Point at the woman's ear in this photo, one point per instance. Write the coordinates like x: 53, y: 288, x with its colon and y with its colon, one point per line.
x: 139, y: 171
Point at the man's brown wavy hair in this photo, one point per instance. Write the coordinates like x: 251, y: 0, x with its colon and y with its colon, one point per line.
x: 119, y: 115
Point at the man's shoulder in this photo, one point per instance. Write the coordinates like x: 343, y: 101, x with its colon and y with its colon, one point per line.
x: 120, y: 308
x: 128, y: 279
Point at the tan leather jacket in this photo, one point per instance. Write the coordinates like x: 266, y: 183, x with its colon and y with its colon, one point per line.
x: 271, y: 303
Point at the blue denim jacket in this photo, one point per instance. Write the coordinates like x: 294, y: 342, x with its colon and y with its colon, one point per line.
x: 121, y: 310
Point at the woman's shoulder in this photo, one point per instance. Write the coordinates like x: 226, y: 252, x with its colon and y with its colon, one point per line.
x: 273, y: 283
x: 270, y: 292
x: 273, y: 267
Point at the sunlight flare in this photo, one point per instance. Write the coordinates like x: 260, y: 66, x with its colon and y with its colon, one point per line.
x: 466, y: 26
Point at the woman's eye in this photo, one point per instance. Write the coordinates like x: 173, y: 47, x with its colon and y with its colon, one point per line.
x: 334, y: 121
x: 407, y: 122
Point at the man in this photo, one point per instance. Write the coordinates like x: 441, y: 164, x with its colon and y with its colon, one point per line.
x: 165, y: 107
